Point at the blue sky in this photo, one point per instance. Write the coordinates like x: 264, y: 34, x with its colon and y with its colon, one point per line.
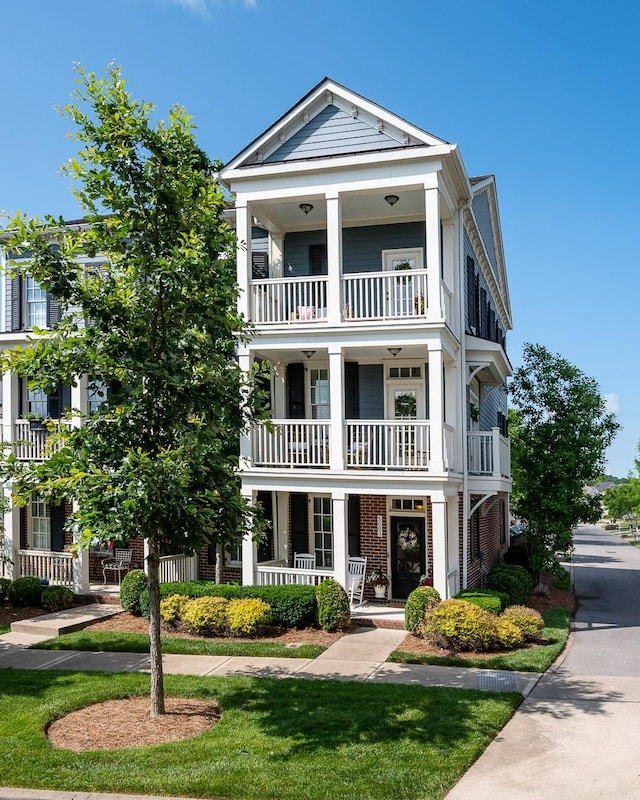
x: 542, y: 94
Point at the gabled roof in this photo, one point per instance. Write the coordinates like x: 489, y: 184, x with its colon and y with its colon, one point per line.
x: 330, y: 121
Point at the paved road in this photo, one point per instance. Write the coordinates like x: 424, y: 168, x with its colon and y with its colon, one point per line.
x: 577, y: 735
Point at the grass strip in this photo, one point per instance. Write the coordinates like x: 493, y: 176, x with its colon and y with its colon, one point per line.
x: 532, y: 659
x: 112, y: 642
x: 283, y: 739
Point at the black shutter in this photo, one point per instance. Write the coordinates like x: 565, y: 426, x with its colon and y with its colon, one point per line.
x: 353, y: 524
x: 299, y: 512
x: 295, y: 390
x: 16, y: 304
x: 263, y: 385
x: 265, y: 547
x: 427, y: 403
x: 259, y: 266
x: 57, y: 527
x: 472, y: 304
x: 211, y: 554
x: 318, y: 259
x: 59, y: 401
x: 23, y: 528
x: 53, y: 310
x: 351, y: 390
x: 483, y: 313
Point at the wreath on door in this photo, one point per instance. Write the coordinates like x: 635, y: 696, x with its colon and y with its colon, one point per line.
x: 408, y: 541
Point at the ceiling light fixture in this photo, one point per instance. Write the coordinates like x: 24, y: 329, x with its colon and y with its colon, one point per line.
x: 392, y: 199
x: 394, y: 350
x: 308, y: 353
x: 306, y: 207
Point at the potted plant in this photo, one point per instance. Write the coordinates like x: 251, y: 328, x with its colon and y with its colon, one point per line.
x: 36, y: 423
x: 380, y: 581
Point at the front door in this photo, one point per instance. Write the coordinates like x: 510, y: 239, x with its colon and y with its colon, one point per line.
x: 408, y: 555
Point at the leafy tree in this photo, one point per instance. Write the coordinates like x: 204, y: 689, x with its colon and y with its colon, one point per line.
x: 624, y: 499
x: 158, y: 326
x: 559, y: 432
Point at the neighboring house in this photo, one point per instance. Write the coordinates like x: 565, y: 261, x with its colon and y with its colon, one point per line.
x: 372, y: 269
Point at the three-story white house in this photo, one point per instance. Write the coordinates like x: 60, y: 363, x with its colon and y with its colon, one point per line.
x: 372, y: 269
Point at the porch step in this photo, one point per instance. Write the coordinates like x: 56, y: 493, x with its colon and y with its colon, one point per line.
x: 73, y: 619
x: 96, y: 597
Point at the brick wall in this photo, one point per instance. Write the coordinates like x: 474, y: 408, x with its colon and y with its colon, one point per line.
x: 207, y: 571
x: 490, y: 546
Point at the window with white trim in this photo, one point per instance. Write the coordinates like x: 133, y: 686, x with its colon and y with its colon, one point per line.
x: 96, y: 395
x: 37, y: 403
x: 320, y: 407
x: 40, y: 523
x: 36, y: 304
x: 322, y: 526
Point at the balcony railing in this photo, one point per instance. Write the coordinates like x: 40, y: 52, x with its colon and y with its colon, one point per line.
x: 55, y: 567
x: 387, y: 444
x: 291, y: 444
x: 385, y: 295
x: 275, y: 300
x: 488, y: 453
x: 32, y: 443
x: 180, y: 568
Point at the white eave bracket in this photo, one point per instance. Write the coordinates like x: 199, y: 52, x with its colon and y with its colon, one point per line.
x: 482, y: 500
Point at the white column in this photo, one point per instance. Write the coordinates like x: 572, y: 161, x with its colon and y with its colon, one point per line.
x: 249, y: 550
x: 10, y: 404
x: 276, y: 254
x: 12, y: 535
x: 81, y: 572
x: 244, y: 360
x: 340, y: 539
x: 432, y: 217
x: 453, y: 459
x: 336, y: 400
x: 436, y: 411
x: 440, y: 544
x: 243, y: 263
x: 453, y: 540
x: 449, y: 252
x: 334, y: 259
x: 79, y: 399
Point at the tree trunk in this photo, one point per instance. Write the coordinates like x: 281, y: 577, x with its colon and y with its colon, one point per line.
x: 155, y: 651
x: 218, y: 563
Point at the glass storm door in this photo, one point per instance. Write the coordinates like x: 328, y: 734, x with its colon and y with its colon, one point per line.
x: 408, y: 555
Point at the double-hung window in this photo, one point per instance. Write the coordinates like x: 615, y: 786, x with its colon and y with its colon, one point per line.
x: 40, y: 523
x: 323, y: 531
x: 35, y: 304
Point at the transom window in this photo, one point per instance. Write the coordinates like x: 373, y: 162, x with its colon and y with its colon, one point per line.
x: 40, y: 523
x: 405, y: 372
x: 36, y: 304
x: 407, y: 504
x: 322, y: 525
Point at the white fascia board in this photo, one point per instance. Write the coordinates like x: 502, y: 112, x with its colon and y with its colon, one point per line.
x: 366, y: 179
x: 418, y: 484
x: 229, y: 175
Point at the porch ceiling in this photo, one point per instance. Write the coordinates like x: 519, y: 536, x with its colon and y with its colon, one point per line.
x: 363, y: 354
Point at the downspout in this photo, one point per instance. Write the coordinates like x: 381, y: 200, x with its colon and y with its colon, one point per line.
x: 463, y: 394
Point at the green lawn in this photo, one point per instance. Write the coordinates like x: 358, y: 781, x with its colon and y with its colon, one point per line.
x: 139, y: 643
x: 279, y: 739
x: 536, y: 659
x: 4, y: 629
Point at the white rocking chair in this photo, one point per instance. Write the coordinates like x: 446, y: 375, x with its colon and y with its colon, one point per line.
x: 357, y: 571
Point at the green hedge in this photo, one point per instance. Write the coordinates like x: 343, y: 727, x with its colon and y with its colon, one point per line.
x: 334, y: 612
x: 487, y: 601
x: 291, y: 606
x: 513, y: 580
x: 469, y: 594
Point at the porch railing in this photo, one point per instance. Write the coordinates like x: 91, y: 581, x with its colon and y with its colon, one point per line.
x: 291, y: 444
x: 385, y: 295
x: 178, y: 568
x: 276, y: 300
x: 488, y: 453
x: 55, y: 567
x: 388, y: 444
x: 268, y: 575
x: 31, y: 444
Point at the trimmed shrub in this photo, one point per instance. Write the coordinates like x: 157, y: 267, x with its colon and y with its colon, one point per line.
x: 247, y: 616
x: 133, y: 585
x: 171, y: 608
x: 561, y: 579
x: 503, y: 597
x: 513, y: 580
x: 4, y: 585
x: 206, y: 616
x: 528, y: 620
x: 333, y: 605
x: 25, y: 592
x: 57, y: 598
x: 419, y: 602
x: 459, y: 625
x: 508, y: 634
x: 291, y: 606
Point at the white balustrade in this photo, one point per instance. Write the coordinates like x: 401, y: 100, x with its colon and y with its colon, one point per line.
x: 33, y: 443
x: 385, y: 295
x: 176, y: 568
x: 388, y: 444
x: 488, y: 453
x: 268, y: 575
x: 277, y: 300
x: 291, y: 444
x: 55, y: 567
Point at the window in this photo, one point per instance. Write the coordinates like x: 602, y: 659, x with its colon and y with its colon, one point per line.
x: 320, y: 408
x: 405, y: 504
x: 96, y: 395
x: 40, y: 523
x: 405, y: 372
x: 36, y: 304
x: 37, y: 403
x: 323, y: 531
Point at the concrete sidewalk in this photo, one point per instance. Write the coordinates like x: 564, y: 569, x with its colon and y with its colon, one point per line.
x: 357, y: 656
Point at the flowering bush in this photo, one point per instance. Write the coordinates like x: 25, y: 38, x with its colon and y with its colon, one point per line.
x: 378, y: 578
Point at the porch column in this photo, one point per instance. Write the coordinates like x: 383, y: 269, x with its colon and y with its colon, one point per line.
x: 436, y: 411
x: 243, y: 265
x: 452, y: 457
x: 244, y: 360
x: 340, y: 539
x: 249, y: 549
x: 432, y: 217
x: 334, y: 259
x: 79, y: 399
x: 276, y: 254
x: 451, y: 309
x: 81, y: 572
x: 11, y: 535
x: 440, y: 543
x: 10, y: 404
x: 336, y: 402
x: 453, y: 541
